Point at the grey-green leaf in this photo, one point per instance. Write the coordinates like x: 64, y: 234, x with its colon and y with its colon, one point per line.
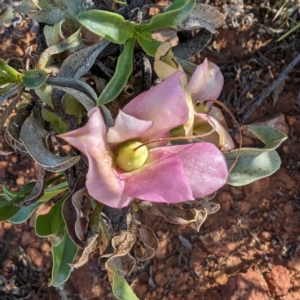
x: 251, y: 165
x: 34, y: 78
x: 51, y: 12
x: 271, y: 137
x: 33, y: 135
x: 255, y: 163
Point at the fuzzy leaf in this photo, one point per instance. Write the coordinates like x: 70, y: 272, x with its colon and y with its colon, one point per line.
x: 63, y: 255
x: 109, y: 25
x: 203, y: 16
x: 6, y: 14
x: 78, y: 89
x: 78, y: 63
x: 253, y: 163
x: 33, y: 135
x: 50, y: 12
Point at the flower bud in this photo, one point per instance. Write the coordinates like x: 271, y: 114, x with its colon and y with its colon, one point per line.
x: 129, y: 156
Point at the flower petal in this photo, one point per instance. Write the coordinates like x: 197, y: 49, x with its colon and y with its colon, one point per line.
x: 127, y: 128
x: 164, y: 104
x: 102, y: 182
x: 206, y: 82
x: 203, y: 123
x: 161, y: 180
x: 205, y: 167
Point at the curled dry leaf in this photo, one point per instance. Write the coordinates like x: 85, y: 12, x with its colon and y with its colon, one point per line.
x: 123, y: 264
x: 71, y: 212
x: 211, y: 207
x: 120, y: 259
x: 201, y: 217
x: 33, y: 137
x: 149, y: 242
x: 172, y: 213
x: 94, y: 236
x: 71, y: 42
x: 38, y: 191
x: 203, y: 16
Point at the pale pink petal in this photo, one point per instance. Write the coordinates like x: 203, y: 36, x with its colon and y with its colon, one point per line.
x: 162, y: 179
x: 164, y: 104
x: 220, y: 137
x: 101, y: 182
x: 206, y: 82
x: 127, y: 128
x: 205, y: 167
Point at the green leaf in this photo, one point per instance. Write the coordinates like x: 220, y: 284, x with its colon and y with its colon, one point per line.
x: 109, y: 25
x: 5, y: 68
x: 254, y: 164
x: 121, y: 75
x: 53, y: 191
x: 173, y: 16
x: 63, y: 255
x: 51, y: 223
x: 34, y: 78
x: 9, y: 194
x: 24, y: 213
x: 121, y: 288
x: 7, y: 209
x: 59, y: 125
x: 44, y: 93
x: 148, y: 44
x: 73, y: 107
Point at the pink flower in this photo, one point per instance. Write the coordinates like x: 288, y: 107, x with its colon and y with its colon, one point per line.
x: 170, y: 174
